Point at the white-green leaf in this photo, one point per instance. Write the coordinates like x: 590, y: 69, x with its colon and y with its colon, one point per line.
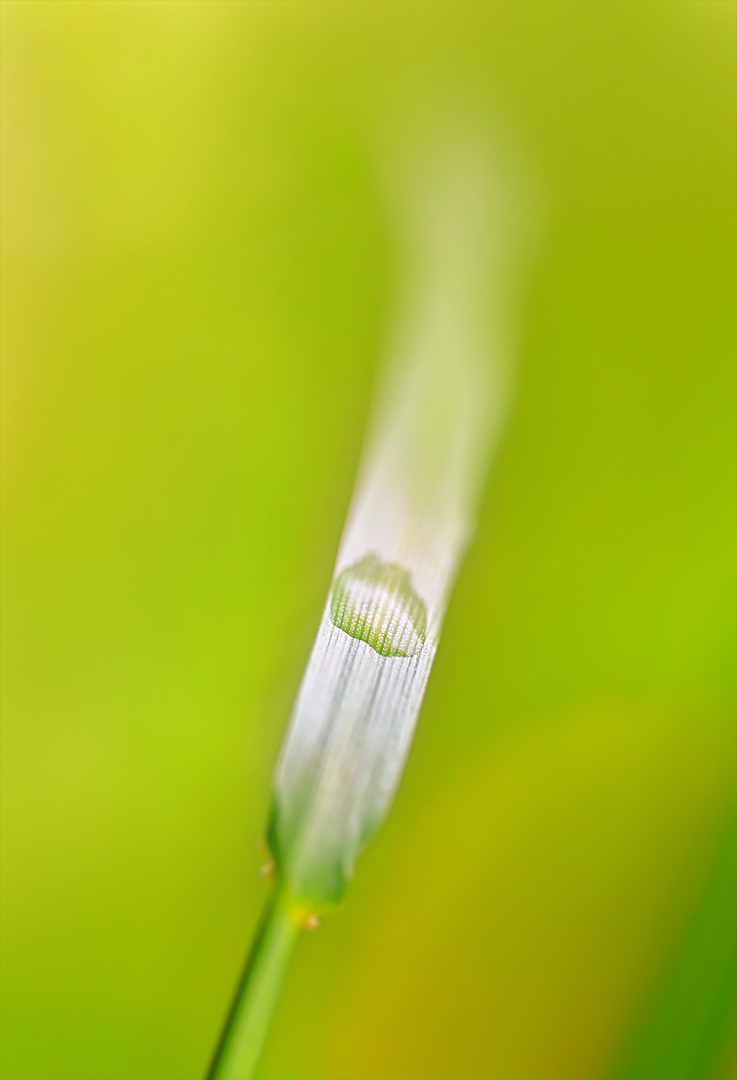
x: 439, y: 409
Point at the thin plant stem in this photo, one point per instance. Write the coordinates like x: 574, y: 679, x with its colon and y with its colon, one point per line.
x: 248, y: 1022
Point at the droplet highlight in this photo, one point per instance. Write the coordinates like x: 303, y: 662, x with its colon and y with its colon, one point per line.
x: 374, y: 601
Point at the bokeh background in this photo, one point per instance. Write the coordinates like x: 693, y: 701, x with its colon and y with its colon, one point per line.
x: 198, y: 275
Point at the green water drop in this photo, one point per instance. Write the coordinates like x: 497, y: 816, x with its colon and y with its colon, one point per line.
x: 374, y: 601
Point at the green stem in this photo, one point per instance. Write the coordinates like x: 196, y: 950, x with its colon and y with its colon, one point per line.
x: 247, y: 1025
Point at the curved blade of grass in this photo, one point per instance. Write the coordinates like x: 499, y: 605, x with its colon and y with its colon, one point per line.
x: 436, y: 422
x: 438, y: 417
x: 684, y: 1029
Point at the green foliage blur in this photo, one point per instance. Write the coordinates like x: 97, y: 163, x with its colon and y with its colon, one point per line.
x: 198, y: 276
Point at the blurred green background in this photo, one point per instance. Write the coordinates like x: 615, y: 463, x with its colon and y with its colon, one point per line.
x: 197, y: 280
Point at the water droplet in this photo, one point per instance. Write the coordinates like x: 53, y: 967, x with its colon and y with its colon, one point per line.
x: 374, y: 601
